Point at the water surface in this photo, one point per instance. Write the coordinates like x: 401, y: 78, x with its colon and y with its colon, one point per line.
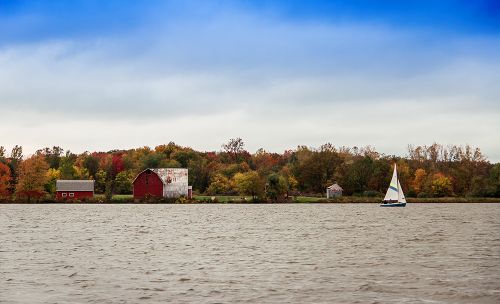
x: 317, y: 253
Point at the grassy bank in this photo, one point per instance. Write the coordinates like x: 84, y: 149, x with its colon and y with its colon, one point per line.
x: 352, y: 199
x: 226, y: 199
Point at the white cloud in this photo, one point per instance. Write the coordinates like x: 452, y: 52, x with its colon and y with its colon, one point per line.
x: 275, y: 84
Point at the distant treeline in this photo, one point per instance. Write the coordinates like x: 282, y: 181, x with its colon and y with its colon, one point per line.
x: 427, y: 171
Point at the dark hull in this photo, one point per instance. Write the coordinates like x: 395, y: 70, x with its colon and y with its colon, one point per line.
x: 393, y: 205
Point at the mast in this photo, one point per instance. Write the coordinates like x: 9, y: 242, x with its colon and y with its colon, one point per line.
x: 398, y: 186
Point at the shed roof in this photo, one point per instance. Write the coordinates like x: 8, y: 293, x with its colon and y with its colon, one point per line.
x: 335, y: 187
x: 75, y: 185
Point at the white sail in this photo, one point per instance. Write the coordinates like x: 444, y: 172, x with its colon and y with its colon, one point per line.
x: 392, y: 192
x: 401, y: 198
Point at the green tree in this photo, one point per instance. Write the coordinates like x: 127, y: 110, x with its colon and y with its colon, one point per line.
x: 358, y: 175
x: 494, y: 180
x: 91, y: 163
x: 276, y: 187
x: 108, y: 192
x: 16, y: 158
x: 123, y: 183
x: 199, y: 173
x: 151, y: 161
x: 2, y: 152
x: 52, y: 156
x: 66, y: 166
x: 100, y: 181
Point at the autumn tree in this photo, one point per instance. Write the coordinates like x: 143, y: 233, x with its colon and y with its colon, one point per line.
x: 32, y: 177
x: 5, y: 178
x: 265, y: 162
x: 290, y: 179
x: 219, y: 184
x: 441, y: 185
x: 418, y: 182
x: 52, y: 176
x: 314, y: 169
x: 234, y: 148
x: 117, y: 164
x: 249, y: 183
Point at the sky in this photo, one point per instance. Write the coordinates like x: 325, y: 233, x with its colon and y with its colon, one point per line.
x: 119, y: 74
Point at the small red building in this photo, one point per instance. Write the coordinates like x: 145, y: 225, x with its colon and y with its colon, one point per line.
x: 74, y: 189
x: 162, y: 182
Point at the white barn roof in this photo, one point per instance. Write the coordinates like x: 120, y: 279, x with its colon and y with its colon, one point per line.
x: 74, y: 185
x: 166, y: 174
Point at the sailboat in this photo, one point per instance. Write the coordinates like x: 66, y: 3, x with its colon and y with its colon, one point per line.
x: 394, y: 196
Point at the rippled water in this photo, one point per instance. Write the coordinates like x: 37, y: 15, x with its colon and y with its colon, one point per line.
x: 446, y: 253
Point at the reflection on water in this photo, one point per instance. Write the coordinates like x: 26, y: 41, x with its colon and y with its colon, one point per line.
x: 443, y: 253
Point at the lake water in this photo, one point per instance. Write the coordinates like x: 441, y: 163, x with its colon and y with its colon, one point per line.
x: 318, y: 253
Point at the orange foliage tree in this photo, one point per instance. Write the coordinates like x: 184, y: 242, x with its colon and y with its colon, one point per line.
x: 32, y: 177
x: 419, y: 180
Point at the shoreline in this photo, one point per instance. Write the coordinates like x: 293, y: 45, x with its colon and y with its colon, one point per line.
x: 309, y: 200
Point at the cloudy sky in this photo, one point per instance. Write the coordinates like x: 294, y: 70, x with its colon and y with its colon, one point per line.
x: 101, y: 75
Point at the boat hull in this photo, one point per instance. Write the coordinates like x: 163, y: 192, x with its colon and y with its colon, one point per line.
x: 393, y: 205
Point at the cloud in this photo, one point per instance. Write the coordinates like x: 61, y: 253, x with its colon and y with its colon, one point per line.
x: 277, y: 83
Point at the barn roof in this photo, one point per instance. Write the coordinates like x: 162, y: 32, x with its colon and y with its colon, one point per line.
x: 335, y: 187
x: 163, y: 173
x: 75, y: 185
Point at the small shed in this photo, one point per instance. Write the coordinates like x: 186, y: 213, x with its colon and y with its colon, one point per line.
x: 74, y: 189
x: 334, y: 191
x: 162, y: 182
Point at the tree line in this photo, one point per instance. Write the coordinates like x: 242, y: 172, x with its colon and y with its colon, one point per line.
x: 426, y: 171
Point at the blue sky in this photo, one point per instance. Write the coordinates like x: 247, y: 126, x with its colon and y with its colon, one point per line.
x: 101, y: 75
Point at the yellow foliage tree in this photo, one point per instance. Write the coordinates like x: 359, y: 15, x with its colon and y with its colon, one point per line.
x: 441, y: 185
x: 52, y: 176
x: 249, y: 183
x: 219, y: 185
x: 81, y: 172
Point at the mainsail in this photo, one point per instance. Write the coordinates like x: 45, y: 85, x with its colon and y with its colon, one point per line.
x: 393, y: 191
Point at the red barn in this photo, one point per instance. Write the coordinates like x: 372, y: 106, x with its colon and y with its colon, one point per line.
x: 162, y: 182
x: 74, y: 189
